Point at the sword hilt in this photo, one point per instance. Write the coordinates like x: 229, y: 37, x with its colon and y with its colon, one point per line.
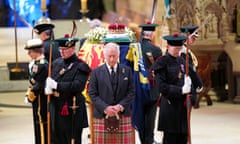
x: 74, y: 106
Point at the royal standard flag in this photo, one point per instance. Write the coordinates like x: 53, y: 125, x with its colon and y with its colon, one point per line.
x: 92, y: 54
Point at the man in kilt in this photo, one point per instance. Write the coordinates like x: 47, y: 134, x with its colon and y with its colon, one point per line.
x: 112, y: 90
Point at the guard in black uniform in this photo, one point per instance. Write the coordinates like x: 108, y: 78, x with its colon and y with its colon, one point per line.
x: 173, y: 86
x: 69, y: 75
x: 150, y: 53
x: 44, y: 29
x: 193, y: 35
x: 38, y: 69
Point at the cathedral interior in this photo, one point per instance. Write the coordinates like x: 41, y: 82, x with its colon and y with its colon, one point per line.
x: 217, y: 50
x: 217, y: 47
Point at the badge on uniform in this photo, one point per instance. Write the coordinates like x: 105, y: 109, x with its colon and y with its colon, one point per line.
x: 182, y: 68
x: 181, y: 71
x: 35, y: 68
x: 62, y: 71
x: 180, y: 75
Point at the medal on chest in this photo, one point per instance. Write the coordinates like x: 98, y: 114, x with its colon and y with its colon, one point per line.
x: 181, y: 72
x: 62, y: 71
x: 35, y: 68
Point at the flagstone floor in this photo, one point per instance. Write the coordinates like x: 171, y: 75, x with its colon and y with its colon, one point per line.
x: 217, y: 124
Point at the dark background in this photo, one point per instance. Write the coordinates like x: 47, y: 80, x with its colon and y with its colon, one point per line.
x: 29, y: 11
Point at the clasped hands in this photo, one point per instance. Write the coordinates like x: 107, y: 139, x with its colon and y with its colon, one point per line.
x: 187, y: 85
x: 50, y: 85
x: 111, y: 111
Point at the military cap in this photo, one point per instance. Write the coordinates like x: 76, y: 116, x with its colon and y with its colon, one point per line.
x: 175, y: 39
x: 66, y: 41
x: 33, y: 44
x: 148, y: 26
x: 42, y: 25
x: 190, y: 29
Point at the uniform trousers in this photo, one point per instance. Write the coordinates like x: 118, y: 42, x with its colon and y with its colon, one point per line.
x: 174, y: 138
x: 149, y: 123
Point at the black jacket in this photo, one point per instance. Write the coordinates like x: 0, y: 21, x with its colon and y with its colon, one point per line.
x: 170, y: 73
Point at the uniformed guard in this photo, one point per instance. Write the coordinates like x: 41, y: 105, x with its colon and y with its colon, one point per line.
x: 68, y: 77
x: 38, y: 69
x: 150, y: 53
x: 174, y: 85
x: 192, y: 34
x: 44, y: 29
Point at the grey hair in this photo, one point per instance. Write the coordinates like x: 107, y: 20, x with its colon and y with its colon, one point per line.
x: 147, y: 32
x: 109, y: 46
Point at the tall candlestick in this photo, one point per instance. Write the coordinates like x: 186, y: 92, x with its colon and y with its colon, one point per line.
x: 83, y: 5
x: 43, y: 5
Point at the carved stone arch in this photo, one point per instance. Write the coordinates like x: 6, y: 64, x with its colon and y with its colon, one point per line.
x: 231, y: 11
x: 214, y: 9
x: 183, y: 9
x: 231, y: 5
x: 185, y: 12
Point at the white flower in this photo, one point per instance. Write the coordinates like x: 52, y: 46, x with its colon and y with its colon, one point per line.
x: 96, y: 35
x: 130, y: 33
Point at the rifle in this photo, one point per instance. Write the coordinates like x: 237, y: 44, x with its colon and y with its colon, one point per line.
x: 188, y: 100
x: 203, y: 24
x: 49, y: 95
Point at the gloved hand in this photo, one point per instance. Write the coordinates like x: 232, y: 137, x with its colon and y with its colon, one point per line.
x: 187, y: 85
x: 26, y: 100
x: 48, y: 90
x: 199, y: 89
x: 187, y: 80
x: 51, y: 83
x: 186, y: 89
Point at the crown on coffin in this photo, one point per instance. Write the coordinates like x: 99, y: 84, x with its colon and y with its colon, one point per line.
x: 116, y: 28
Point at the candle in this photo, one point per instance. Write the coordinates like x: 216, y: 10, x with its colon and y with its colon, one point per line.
x: 43, y: 5
x: 84, y: 5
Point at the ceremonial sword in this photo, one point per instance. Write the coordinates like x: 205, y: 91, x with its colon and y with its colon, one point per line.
x: 73, y: 107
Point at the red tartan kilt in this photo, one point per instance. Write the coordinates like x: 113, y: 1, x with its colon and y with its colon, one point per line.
x: 125, y: 133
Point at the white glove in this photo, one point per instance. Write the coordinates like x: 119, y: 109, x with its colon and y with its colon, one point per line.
x: 48, y: 90
x: 187, y: 80
x: 187, y: 85
x: 51, y: 83
x: 199, y: 89
x: 26, y: 100
x: 186, y: 89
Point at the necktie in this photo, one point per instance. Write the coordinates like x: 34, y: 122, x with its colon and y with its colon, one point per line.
x: 113, y: 79
x: 113, y: 74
